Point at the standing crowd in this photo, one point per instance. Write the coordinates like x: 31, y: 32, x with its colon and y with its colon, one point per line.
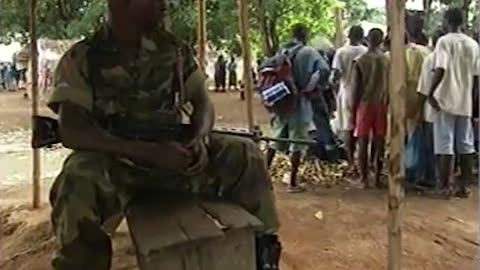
x: 9, y: 78
x: 221, y: 68
x: 441, y: 91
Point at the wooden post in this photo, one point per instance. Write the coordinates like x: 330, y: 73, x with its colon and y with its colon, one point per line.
x: 202, y: 33
x: 338, y: 27
x: 247, y: 60
x: 167, y: 19
x: 397, y: 85
x: 34, y: 85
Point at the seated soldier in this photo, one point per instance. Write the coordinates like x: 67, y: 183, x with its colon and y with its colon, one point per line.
x: 109, y: 90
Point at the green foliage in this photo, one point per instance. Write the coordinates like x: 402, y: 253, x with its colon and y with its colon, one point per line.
x: 56, y: 19
x: 316, y: 14
x: 437, y: 11
x: 184, y: 20
x: 357, y: 11
x: 223, y: 25
x: 270, y: 20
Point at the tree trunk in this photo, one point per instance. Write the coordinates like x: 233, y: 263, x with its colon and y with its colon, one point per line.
x: 265, y: 29
x: 267, y: 24
x: 202, y: 33
x: 339, y: 38
x: 247, y: 59
x: 427, y: 6
x: 466, y: 5
x: 34, y: 73
x: 274, y: 35
x: 397, y: 86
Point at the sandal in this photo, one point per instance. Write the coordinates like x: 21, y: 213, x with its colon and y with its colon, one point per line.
x: 295, y: 189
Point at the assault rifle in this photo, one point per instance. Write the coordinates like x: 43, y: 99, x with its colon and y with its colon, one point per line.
x: 46, y: 133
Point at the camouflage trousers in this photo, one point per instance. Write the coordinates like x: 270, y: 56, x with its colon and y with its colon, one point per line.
x: 92, y: 187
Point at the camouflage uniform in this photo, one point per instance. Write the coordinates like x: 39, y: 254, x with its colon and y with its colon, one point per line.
x: 93, y: 186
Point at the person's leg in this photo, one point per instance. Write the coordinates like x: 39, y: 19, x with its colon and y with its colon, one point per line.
x: 324, y: 133
x: 82, y: 198
x: 350, y: 142
x: 379, y: 154
x: 378, y: 142
x: 464, y: 144
x: 345, y: 127
x: 363, y: 160
x: 429, y: 179
x: 270, y: 156
x: 224, y: 82
x: 279, y: 131
x: 235, y: 81
x: 475, y: 123
x: 217, y: 83
x: 352, y: 147
x: 443, y: 132
x: 364, y: 125
x: 297, y: 130
x: 295, y: 160
x: 371, y: 153
x: 244, y: 179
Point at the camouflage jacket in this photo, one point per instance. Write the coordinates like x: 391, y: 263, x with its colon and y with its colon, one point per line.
x: 118, y: 90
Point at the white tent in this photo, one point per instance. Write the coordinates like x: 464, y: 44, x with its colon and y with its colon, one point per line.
x: 7, y: 51
x: 367, y: 26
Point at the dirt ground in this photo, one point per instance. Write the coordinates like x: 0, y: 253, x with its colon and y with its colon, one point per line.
x: 351, y: 234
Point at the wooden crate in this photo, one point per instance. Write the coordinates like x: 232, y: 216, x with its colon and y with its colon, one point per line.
x: 192, y: 235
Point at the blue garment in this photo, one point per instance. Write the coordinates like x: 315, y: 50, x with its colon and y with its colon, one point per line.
x: 327, y: 147
x: 306, y: 63
x: 420, y: 157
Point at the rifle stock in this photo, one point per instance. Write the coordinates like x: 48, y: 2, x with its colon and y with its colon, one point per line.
x: 45, y: 132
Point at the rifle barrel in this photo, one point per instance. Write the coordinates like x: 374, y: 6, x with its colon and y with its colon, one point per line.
x: 284, y: 140
x: 257, y: 137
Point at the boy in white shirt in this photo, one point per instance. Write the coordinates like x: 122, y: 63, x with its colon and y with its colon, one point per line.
x: 428, y: 174
x: 457, y: 59
x: 342, y: 65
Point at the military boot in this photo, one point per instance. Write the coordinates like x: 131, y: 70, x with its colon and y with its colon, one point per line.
x: 268, y: 249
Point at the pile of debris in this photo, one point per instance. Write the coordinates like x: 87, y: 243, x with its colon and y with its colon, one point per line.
x: 317, y: 172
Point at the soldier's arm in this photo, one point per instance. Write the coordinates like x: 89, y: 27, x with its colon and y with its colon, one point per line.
x: 72, y: 100
x: 203, y: 116
x: 79, y: 131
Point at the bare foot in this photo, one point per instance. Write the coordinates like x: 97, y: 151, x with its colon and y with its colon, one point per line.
x: 380, y: 185
x: 463, y: 193
x: 381, y: 181
x: 444, y: 193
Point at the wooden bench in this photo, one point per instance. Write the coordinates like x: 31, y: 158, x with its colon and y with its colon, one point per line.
x: 192, y: 234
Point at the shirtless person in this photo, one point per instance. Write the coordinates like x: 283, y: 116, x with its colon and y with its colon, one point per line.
x: 370, y: 105
x: 109, y: 89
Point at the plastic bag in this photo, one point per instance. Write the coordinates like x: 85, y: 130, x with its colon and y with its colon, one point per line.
x: 419, y: 157
x: 414, y: 160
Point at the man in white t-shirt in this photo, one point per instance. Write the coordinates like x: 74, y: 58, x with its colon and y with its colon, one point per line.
x: 428, y: 175
x: 457, y: 60
x: 342, y: 64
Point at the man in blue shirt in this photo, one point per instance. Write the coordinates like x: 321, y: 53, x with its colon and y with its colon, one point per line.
x: 307, y: 64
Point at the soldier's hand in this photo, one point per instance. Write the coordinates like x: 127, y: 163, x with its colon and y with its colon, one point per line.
x: 200, y: 157
x: 171, y: 155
